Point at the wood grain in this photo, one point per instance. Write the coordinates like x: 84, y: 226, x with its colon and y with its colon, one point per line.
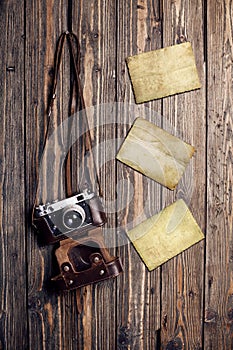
x: 182, y: 278
x: 94, y: 21
x: 186, y: 304
x: 46, y: 310
x: 219, y: 275
x: 13, y: 314
x: 138, y: 303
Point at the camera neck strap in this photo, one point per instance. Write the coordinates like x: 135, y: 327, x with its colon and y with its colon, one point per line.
x: 82, y: 258
x: 72, y: 41
x: 88, y: 179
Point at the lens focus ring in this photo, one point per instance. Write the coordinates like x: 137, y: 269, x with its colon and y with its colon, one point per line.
x: 73, y: 217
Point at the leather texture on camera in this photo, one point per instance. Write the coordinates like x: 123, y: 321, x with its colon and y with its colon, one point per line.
x: 46, y: 235
x: 90, y: 276
x: 102, y: 265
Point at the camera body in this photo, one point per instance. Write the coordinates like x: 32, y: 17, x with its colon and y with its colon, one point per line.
x: 71, y: 216
x: 76, y: 223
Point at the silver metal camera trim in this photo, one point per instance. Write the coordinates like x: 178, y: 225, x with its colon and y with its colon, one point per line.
x: 49, y: 208
x: 76, y: 208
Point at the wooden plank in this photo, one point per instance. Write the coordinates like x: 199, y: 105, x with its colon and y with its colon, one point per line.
x: 13, y: 271
x: 47, y: 310
x: 182, y: 277
x: 132, y: 317
x: 94, y: 22
x: 138, y: 293
x: 219, y: 275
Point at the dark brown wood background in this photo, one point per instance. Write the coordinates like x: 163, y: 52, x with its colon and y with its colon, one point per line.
x: 188, y: 302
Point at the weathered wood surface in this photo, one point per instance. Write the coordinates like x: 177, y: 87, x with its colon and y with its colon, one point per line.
x: 182, y: 278
x: 138, y: 295
x: 93, y: 21
x: 13, y: 266
x: 218, y: 316
x: 46, y: 312
x: 185, y: 304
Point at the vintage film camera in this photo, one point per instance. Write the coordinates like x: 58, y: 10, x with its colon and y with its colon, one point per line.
x: 69, y: 217
x: 76, y: 223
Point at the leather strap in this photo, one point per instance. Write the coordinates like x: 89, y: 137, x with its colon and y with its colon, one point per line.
x: 74, y: 49
x: 71, y: 38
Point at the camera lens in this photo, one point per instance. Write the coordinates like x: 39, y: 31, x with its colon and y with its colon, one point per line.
x: 73, y: 217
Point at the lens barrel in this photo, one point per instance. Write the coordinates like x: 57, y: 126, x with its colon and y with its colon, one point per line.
x: 73, y: 217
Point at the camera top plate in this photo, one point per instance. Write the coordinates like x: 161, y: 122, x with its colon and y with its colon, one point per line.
x: 49, y: 208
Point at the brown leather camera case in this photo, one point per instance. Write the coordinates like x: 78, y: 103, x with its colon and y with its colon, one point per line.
x: 84, y: 262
